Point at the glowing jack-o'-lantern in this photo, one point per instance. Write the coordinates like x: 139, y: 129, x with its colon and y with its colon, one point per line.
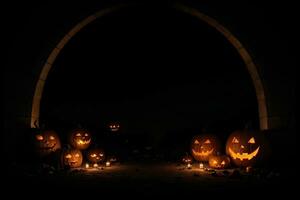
x: 187, y: 159
x: 203, y: 146
x: 114, y: 126
x: 219, y: 162
x: 112, y: 159
x: 47, y: 142
x: 246, y: 147
x: 96, y: 155
x: 72, y: 158
x: 80, y: 139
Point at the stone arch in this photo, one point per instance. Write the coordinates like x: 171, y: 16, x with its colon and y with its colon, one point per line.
x: 248, y: 60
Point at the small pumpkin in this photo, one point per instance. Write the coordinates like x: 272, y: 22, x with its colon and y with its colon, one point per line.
x: 114, y: 126
x: 112, y: 159
x: 187, y: 159
x: 219, y: 161
x: 246, y: 147
x: 80, y: 139
x: 96, y: 155
x: 46, y: 142
x: 72, y: 158
x: 203, y: 146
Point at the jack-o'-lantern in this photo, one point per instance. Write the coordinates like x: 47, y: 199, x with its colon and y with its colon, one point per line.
x: 96, y: 155
x: 246, y: 148
x: 112, y: 159
x: 203, y: 146
x: 114, y: 126
x: 46, y: 142
x: 187, y: 159
x: 71, y: 158
x: 80, y: 139
x: 219, y: 161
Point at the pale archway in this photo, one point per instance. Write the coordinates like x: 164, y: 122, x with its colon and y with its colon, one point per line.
x: 251, y: 67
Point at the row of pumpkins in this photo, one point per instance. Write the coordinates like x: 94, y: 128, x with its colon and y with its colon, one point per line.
x: 243, y: 148
x: 48, y: 143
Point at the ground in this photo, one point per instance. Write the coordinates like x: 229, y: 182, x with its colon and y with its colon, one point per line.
x: 153, y: 179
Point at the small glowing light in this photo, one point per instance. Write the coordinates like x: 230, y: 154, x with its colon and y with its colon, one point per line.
x: 107, y: 164
x: 87, y: 165
x: 189, y: 165
x: 95, y: 165
x: 248, y: 169
x: 201, y: 166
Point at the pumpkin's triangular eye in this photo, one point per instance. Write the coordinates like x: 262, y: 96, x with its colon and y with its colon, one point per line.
x: 252, y: 141
x: 234, y: 140
x: 78, y: 134
x: 39, y: 137
x: 207, y: 141
x: 196, y: 142
x: 223, y: 162
x: 68, y: 156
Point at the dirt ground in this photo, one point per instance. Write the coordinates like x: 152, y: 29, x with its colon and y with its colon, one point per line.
x: 153, y: 179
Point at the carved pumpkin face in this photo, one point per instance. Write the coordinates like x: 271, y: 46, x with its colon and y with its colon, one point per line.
x: 219, y: 162
x: 245, y: 147
x: 96, y: 155
x: 80, y: 139
x: 114, y: 126
x: 187, y: 159
x: 203, y: 146
x: 72, y: 158
x: 112, y: 159
x: 47, y: 142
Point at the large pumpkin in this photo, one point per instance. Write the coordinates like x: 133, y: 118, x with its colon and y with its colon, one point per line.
x: 71, y: 158
x: 246, y: 147
x: 46, y: 142
x: 96, y: 155
x: 80, y: 139
x: 203, y: 146
x: 219, y: 161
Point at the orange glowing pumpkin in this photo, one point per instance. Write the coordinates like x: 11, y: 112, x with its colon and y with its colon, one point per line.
x: 219, y: 161
x: 46, y: 142
x: 203, y: 146
x: 80, y: 139
x: 96, y: 155
x: 71, y: 158
x: 246, y: 147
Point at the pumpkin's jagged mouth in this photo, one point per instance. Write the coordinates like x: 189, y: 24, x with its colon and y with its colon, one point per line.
x: 243, y: 156
x: 203, y: 153
x: 72, y: 163
x: 83, y: 141
x: 48, y: 147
